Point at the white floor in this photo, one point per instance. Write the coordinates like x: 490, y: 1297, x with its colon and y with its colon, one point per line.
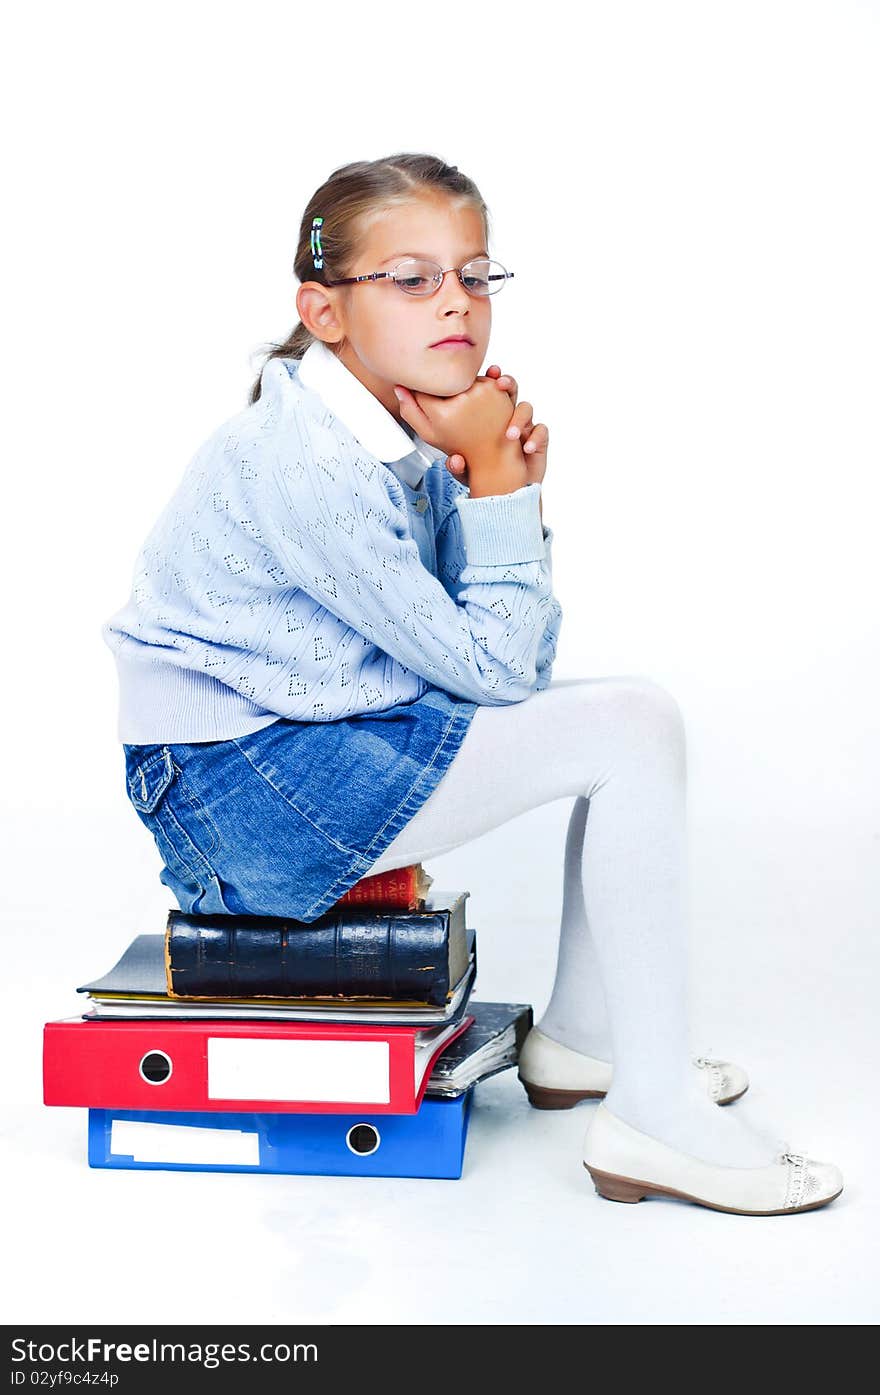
x: 785, y: 975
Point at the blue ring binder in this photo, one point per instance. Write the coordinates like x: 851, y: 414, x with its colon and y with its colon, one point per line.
x: 429, y: 1143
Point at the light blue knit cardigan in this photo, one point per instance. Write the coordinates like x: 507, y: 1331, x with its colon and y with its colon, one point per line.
x: 284, y: 578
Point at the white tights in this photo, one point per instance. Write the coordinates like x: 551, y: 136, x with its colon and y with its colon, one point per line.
x: 621, y: 989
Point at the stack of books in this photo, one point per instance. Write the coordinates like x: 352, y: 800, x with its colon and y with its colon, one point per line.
x: 348, y: 1045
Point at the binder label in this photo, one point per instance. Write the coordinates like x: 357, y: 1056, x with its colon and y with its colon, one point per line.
x: 181, y: 1143
x: 323, y: 1071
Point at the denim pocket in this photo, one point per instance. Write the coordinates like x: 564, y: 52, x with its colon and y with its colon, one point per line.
x: 149, y: 772
x: 165, y: 802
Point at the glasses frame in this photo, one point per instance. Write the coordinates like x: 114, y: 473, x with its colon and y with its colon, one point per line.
x: 437, y: 279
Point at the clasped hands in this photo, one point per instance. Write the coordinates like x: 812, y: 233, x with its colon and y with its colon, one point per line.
x: 478, y: 431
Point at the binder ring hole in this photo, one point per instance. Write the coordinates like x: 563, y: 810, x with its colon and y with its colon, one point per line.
x: 363, y: 1139
x: 155, y: 1068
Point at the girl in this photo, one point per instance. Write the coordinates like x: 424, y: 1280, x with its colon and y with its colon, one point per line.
x: 336, y: 660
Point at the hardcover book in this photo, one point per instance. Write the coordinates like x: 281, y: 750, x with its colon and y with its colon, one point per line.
x: 358, y: 950
x: 402, y: 889
x: 136, y: 988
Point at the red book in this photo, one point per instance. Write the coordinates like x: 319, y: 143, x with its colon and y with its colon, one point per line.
x: 239, y: 1066
x: 400, y: 889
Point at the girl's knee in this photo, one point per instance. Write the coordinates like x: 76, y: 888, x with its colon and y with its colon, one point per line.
x: 649, y: 709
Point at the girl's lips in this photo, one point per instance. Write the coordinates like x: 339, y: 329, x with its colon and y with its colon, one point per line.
x: 453, y: 344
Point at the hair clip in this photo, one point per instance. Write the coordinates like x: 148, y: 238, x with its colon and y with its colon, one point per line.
x: 317, y: 250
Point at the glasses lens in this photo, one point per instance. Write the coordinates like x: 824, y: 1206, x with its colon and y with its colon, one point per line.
x: 416, y: 277
x: 483, y: 277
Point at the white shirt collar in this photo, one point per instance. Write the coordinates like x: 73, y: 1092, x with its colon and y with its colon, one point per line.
x: 363, y: 414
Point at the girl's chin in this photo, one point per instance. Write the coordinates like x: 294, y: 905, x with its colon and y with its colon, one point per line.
x: 447, y: 384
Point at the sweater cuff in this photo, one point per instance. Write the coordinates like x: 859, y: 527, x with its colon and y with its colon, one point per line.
x: 500, y: 529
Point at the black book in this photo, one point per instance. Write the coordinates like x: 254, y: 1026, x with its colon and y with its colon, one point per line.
x: 135, y: 988
x: 352, y: 951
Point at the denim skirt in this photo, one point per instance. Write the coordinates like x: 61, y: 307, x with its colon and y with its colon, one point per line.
x: 284, y: 820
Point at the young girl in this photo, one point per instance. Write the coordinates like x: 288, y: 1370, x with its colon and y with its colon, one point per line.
x: 336, y: 660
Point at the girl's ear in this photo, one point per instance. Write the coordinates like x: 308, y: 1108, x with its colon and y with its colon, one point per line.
x: 317, y: 310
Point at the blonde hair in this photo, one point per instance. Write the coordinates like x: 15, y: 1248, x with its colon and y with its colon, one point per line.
x: 345, y: 201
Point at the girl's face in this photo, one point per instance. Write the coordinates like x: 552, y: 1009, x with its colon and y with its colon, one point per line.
x: 388, y: 334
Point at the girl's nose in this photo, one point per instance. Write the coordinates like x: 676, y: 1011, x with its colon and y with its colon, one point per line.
x: 456, y: 296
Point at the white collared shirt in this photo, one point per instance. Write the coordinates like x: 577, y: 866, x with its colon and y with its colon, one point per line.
x: 367, y: 420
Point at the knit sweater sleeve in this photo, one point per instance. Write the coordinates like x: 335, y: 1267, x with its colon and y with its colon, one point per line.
x: 550, y: 637
x: 340, y: 525
x: 451, y: 562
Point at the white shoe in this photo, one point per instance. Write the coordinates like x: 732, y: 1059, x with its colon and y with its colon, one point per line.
x: 555, y: 1077
x: 627, y: 1165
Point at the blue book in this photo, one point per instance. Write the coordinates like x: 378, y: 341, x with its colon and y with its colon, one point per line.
x: 429, y: 1143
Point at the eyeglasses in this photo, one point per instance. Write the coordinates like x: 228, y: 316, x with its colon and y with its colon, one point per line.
x: 417, y: 276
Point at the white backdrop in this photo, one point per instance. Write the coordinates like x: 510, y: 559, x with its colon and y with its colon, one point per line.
x: 688, y: 196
